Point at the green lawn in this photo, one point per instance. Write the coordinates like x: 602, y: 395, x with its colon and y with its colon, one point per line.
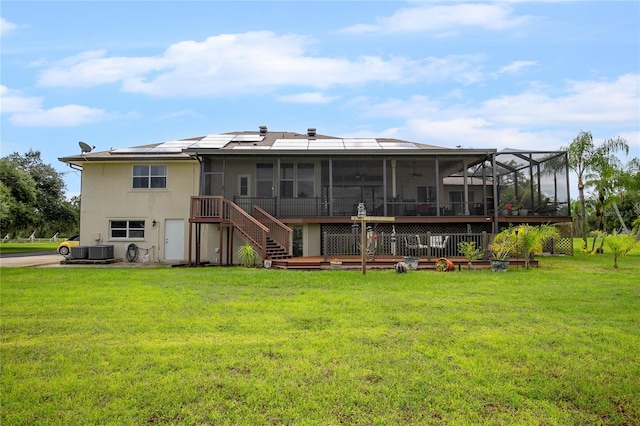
x: 557, y: 345
x: 28, y: 246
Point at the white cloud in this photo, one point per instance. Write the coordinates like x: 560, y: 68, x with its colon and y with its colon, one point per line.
x: 93, y: 68
x: 6, y: 26
x: 528, y: 120
x: 308, y: 98
x: 63, y: 116
x: 516, y: 66
x: 14, y: 102
x: 585, y: 103
x: 28, y: 112
x: 444, y: 19
x: 253, y: 62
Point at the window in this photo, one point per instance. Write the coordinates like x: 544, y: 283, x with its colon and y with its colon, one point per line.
x: 305, y: 180
x: 243, y: 186
x: 149, y: 176
x: 286, y: 180
x: 126, y: 228
x: 264, y: 180
x: 296, y: 180
x: 427, y: 194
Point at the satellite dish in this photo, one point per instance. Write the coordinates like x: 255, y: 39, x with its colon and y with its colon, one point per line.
x: 85, y: 147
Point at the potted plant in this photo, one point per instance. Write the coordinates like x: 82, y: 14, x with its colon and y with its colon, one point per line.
x: 504, y: 245
x: 469, y: 250
x: 443, y: 265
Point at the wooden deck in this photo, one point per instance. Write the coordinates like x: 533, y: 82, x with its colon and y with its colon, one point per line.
x: 380, y: 262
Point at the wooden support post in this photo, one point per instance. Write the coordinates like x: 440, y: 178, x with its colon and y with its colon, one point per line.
x: 363, y: 234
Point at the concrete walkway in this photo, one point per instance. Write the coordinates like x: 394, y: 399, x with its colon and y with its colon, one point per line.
x: 30, y: 260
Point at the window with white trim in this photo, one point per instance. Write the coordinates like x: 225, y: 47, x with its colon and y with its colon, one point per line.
x: 149, y: 176
x: 126, y: 228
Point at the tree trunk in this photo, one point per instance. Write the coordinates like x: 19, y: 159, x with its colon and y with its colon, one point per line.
x: 583, y: 213
x: 624, y: 227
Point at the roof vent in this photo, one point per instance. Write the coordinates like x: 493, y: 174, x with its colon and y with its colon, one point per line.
x: 311, y: 132
x: 263, y: 130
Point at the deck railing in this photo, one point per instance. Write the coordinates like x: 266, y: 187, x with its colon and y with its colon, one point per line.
x: 219, y: 209
x: 278, y: 231
x: 426, y: 245
x: 347, y: 206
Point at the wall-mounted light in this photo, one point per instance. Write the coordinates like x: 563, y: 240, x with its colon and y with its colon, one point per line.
x: 153, y: 223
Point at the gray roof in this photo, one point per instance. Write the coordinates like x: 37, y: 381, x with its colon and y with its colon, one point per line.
x: 260, y: 142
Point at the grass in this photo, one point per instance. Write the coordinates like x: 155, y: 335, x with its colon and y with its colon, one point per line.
x: 555, y: 345
x: 28, y: 246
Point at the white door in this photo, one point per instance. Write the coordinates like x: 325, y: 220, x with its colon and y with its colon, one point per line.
x: 174, y: 239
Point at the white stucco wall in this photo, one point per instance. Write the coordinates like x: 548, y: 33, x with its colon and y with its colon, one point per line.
x: 108, y: 194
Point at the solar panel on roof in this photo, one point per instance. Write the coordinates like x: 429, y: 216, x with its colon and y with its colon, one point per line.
x: 247, y: 138
x: 252, y: 147
x: 300, y: 144
x: 326, y: 144
x: 212, y: 141
x: 369, y: 140
x: 361, y: 145
x: 209, y: 144
x: 397, y: 145
x: 170, y: 147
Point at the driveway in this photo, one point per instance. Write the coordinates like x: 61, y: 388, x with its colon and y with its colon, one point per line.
x: 46, y: 258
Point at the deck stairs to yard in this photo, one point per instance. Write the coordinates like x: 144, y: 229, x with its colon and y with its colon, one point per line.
x: 276, y: 251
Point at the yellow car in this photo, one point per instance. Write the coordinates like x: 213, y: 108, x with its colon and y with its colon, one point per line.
x: 65, y: 247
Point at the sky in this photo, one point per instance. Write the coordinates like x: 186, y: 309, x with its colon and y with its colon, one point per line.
x: 523, y: 74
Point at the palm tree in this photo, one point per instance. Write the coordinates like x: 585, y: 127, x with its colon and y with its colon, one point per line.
x: 583, y: 156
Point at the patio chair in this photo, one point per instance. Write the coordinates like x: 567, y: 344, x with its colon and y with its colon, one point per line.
x: 436, y: 242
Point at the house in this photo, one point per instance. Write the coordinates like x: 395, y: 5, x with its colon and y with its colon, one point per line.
x: 289, y: 194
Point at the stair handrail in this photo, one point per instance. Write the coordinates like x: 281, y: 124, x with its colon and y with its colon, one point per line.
x: 205, y: 206
x: 249, y: 227
x: 278, y: 231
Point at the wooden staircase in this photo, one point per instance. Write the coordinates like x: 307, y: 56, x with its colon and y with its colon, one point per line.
x: 269, y: 236
x: 276, y: 251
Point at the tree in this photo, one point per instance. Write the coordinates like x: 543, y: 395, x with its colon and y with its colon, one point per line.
x: 37, y: 200
x: 18, y: 198
x: 583, y: 155
x: 531, y: 239
x: 619, y: 244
